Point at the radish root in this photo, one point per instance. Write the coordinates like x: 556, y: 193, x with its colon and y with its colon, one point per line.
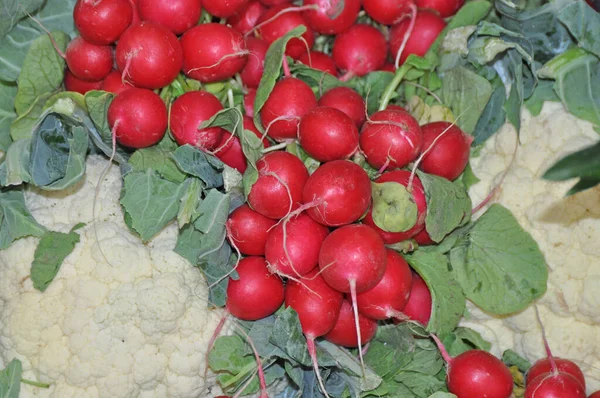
x: 407, y: 34
x: 357, y: 325
x: 54, y: 44
x: 280, y: 13
x: 312, y: 350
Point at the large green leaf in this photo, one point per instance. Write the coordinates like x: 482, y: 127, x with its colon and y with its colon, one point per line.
x: 7, y: 112
x: 15, y: 219
x: 24, y: 125
x: 583, y: 164
x: 14, y: 170
x: 10, y: 379
x: 583, y: 23
x: 12, y: 11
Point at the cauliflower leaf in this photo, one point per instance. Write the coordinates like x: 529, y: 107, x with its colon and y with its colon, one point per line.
x: 10, y: 380
x: 15, y: 219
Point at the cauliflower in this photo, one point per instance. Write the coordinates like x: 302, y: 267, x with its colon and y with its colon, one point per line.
x: 567, y: 230
x: 121, y: 319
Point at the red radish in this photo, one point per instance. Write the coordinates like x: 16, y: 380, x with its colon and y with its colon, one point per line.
x: 387, y: 12
x: 113, y: 83
x: 419, y: 303
x: 213, y: 52
x: 138, y: 117
x: 253, y: 71
x: 136, y: 13
x: 247, y: 230
x: 73, y: 83
x: 339, y: 191
x: 188, y: 112
x: 272, y: 28
x: 292, y: 248
x: 391, y: 138
x: 318, y: 307
x: 229, y: 151
x: 249, y: 103
x: 333, y: 16
x: 278, y: 190
x: 564, y: 366
x: 319, y: 60
x: 388, y: 67
x: 445, y: 8
x: 249, y: 125
x: 595, y: 395
x: 102, y: 21
x: 149, y: 55
x: 426, y: 29
x: 257, y: 293
x: 418, y: 195
x: 290, y: 99
x: 247, y: 17
x: 446, y: 150
x: 359, y: 50
x: 554, y: 385
x: 89, y: 61
x: 346, y: 100
x: 390, y: 295
x: 344, y: 331
x: 223, y: 8
x: 176, y: 15
x: 423, y: 238
x: 274, y: 2
x: 327, y: 134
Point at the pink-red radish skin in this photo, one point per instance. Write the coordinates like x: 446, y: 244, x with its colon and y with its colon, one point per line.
x: 149, y: 55
x: 554, y: 385
x: 113, y: 83
x: 253, y: 70
x: 387, y: 12
x: 223, y: 8
x: 281, y: 25
x: 141, y: 116
x: 257, y: 293
x: 346, y: 100
x: 320, y: 61
x: 89, y: 61
x: 73, y: 83
x: 564, y: 365
x: 102, y: 21
x: 353, y: 253
x: 247, y: 230
x: 423, y: 238
x: 271, y: 3
x: 426, y: 29
x: 390, y: 295
x: 418, y: 307
x: 479, y: 374
x: 213, y: 52
x: 388, y: 67
x: 188, y: 112
x: 290, y: 99
x: 444, y: 8
x: 344, y: 332
x: 281, y: 178
x: 359, y: 50
x: 229, y: 151
x: 391, y: 138
x: 247, y: 17
x: 333, y: 16
x: 292, y: 247
x: 249, y: 98
x: 340, y: 192
x: 595, y: 395
x: 249, y: 125
x: 328, y: 134
x: 449, y: 155
x: 176, y: 15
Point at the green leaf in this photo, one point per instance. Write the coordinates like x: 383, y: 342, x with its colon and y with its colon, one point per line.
x: 583, y: 163
x: 499, y: 266
x: 159, y: 160
x: 10, y: 379
x: 97, y: 103
x: 195, y: 162
x: 422, y: 385
x: 295, y: 149
x: 14, y: 170
x: 465, y: 339
x: 441, y: 394
x: 287, y: 335
x: 390, y: 350
x: 217, y: 267
x: 317, y: 79
x: 42, y: 70
x: 150, y: 201
x: 511, y: 358
x: 448, y: 205
x: 189, y: 202
x: 372, y: 86
x: 13, y: 11
x: 15, y: 219
x: 394, y: 209
x: 24, y: 125
x: 492, y: 117
x: 49, y: 255
x: 7, y: 112
x: 584, y: 24
x: 468, y: 177
x: 447, y: 296
x: 543, y: 92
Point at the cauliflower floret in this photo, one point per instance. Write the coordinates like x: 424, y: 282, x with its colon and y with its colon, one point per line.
x: 567, y: 230
x: 121, y: 318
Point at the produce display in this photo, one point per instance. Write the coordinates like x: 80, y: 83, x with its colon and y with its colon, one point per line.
x: 299, y: 199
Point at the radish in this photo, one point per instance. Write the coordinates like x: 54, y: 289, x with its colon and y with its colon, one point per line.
x: 247, y: 230
x: 444, y: 8
x: 318, y: 307
x: 246, y: 18
x: 320, y: 61
x: 223, y: 8
x: 419, y: 303
x: 328, y: 134
x: 113, y: 83
x: 73, y: 83
x: 388, y: 67
x: 138, y: 118
x: 213, y: 52
x: 337, y: 193
x: 102, y: 21
x: 292, y: 247
x: 253, y: 70
x: 249, y: 103
x: 249, y: 125
x: 563, y: 365
x: 427, y: 27
x: 423, y: 238
x: 278, y: 189
x: 276, y: 23
x: 290, y: 99
x: 136, y: 13
x: 418, y: 196
x: 346, y: 100
x: 595, y: 395
x: 229, y: 151
x: 391, y: 138
x: 390, y: 295
x: 333, y: 16
x: 257, y: 293
x: 88, y: 61
x: 359, y: 50
x: 387, y: 12
x: 344, y: 331
x: 149, y: 55
x: 446, y: 150
x: 274, y: 2
x: 176, y: 15
x: 188, y: 112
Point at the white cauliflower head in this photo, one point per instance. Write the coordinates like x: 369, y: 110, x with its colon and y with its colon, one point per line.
x: 121, y: 318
